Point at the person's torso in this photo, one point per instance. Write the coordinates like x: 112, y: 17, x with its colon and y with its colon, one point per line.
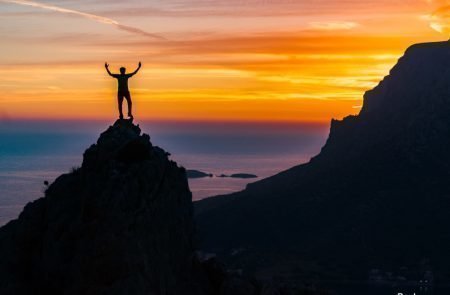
x: 123, y: 83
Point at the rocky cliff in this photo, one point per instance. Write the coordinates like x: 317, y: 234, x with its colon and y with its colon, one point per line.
x: 377, y: 195
x: 120, y: 224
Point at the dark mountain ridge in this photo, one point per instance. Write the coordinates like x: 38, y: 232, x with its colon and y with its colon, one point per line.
x: 376, y: 196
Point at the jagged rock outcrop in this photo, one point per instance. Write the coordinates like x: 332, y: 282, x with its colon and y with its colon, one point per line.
x: 377, y: 195
x: 120, y: 224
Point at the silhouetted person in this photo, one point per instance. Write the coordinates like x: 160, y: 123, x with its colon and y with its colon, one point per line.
x: 123, y: 90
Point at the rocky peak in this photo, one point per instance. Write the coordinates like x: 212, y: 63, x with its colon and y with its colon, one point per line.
x: 424, y: 69
x: 120, y: 224
x: 404, y: 125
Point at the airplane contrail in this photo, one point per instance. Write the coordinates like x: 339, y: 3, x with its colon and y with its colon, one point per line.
x: 97, y: 18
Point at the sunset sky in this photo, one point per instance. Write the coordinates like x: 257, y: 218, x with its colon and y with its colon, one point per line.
x: 233, y: 60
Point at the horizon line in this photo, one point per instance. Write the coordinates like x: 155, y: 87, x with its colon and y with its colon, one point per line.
x: 174, y: 120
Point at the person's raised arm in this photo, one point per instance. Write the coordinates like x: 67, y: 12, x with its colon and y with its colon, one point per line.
x: 137, y: 70
x: 107, y: 69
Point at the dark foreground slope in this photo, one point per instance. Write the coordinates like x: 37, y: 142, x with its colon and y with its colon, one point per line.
x: 377, y: 195
x: 120, y: 224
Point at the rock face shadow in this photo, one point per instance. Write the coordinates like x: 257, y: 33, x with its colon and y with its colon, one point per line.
x: 120, y: 224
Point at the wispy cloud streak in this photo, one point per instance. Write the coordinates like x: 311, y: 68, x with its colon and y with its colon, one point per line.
x: 333, y: 26
x: 97, y: 18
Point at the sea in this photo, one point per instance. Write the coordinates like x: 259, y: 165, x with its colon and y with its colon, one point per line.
x: 34, y: 151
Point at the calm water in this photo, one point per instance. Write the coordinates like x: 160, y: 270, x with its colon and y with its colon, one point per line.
x: 32, y: 152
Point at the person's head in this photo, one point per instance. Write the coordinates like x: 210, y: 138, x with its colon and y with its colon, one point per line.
x: 123, y: 70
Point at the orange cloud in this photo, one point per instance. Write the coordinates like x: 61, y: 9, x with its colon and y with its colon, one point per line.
x: 439, y: 20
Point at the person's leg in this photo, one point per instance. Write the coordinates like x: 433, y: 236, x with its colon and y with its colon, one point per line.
x: 130, y: 105
x: 119, y: 101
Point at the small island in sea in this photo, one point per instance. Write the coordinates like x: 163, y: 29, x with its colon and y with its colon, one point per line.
x: 201, y: 174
